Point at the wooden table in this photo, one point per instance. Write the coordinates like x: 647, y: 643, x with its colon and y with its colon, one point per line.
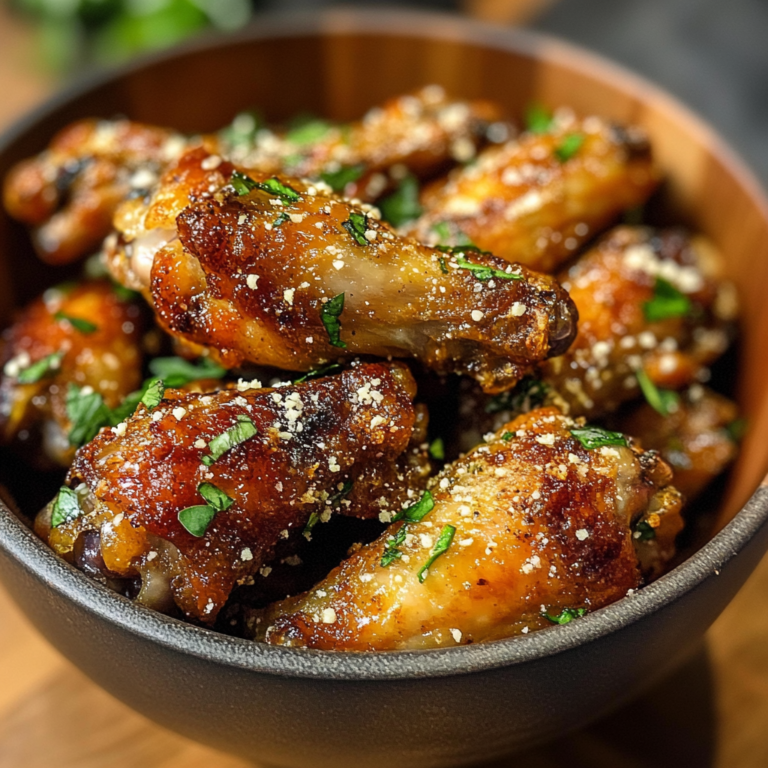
x: 713, y: 713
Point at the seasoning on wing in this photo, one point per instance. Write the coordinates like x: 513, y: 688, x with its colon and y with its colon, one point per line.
x: 193, y: 492
x: 538, y: 198
x: 76, y: 340
x: 280, y: 272
x: 534, y: 526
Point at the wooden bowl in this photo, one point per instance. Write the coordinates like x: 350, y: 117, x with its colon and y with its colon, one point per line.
x: 433, y: 708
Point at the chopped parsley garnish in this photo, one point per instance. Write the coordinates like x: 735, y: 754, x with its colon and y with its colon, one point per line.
x: 596, y: 437
x: 154, y: 389
x: 736, y: 429
x: 440, y: 548
x: 307, y: 130
x: 318, y: 373
x: 215, y: 496
x: 332, y: 502
x: 667, y: 302
x: 437, y: 449
x: 538, y: 119
x: 507, y: 436
x: 78, y: 323
x: 569, y: 146
x: 42, y: 368
x: 197, y: 519
x: 527, y: 395
x: 243, y: 430
x: 337, y: 180
x: 243, y: 184
x: 412, y: 514
x: 644, y: 531
x: 484, y: 272
x: 357, y: 225
x: 566, y: 616
x: 663, y: 401
x: 443, y: 230
x: 281, y: 219
x: 66, y: 507
x: 243, y: 128
x: 403, y: 204
x: 330, y: 312
x: 176, y: 372
x: 443, y: 267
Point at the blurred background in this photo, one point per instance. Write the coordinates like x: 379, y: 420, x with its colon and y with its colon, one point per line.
x: 712, y: 54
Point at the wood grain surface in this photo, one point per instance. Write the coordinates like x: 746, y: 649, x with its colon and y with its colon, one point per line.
x: 712, y: 713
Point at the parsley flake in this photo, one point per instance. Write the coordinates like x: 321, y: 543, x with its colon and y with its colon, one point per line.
x: 197, y: 519
x: 307, y: 130
x: 667, y: 302
x: 403, y: 204
x: 66, y: 507
x: 483, y: 272
x: 333, y: 502
x: 736, y: 430
x: 318, y: 373
x: 176, y: 372
x: 215, y: 497
x: 243, y: 430
x: 411, y: 514
x: 596, y: 437
x: 538, y: 119
x: 337, y: 180
x: 644, y: 531
x: 443, y: 230
x: 281, y: 219
x: 566, y: 615
x: 437, y: 449
x: 443, y: 267
x: 42, y: 368
x: 440, y: 548
x: 507, y: 436
x: 330, y: 312
x: 154, y: 389
x: 243, y: 129
x: 87, y: 412
x: 243, y: 184
x: 663, y: 401
x: 357, y: 225
x: 530, y: 393
x: 569, y: 146
x: 78, y: 323
x: 392, y: 549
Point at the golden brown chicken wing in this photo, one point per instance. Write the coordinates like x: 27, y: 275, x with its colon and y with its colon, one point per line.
x: 537, y: 521
x: 81, y: 337
x: 537, y: 199
x: 280, y: 272
x: 194, y: 494
x: 69, y: 193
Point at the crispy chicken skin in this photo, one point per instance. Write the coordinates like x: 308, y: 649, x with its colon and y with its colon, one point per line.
x: 541, y: 524
x: 694, y: 439
x: 311, y: 439
x: 531, y: 201
x: 104, y: 355
x: 420, y: 132
x: 69, y: 192
x: 248, y: 276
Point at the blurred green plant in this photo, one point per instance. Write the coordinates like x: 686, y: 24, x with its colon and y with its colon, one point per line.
x: 74, y: 34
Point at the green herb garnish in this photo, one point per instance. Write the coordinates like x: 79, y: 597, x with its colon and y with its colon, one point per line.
x: 443, y: 267
x: 441, y: 547
x: 243, y: 184
x: 215, y: 497
x: 357, y: 225
x: 667, y: 302
x: 403, y: 204
x: 644, y: 531
x: 176, y: 372
x: 566, y: 616
x: 663, y: 401
x: 66, y: 507
x: 318, y: 373
x: 307, y: 130
x: 736, y: 429
x: 78, y: 323
x: 154, y: 389
x: 596, y: 437
x: 437, y: 449
x: 337, y: 180
x: 330, y: 312
x: 88, y: 414
x: 569, y: 146
x: 243, y: 128
x: 197, y: 519
x: 332, y: 501
x: 507, y: 436
x: 527, y: 395
x: 281, y: 219
x: 443, y: 230
x: 392, y: 549
x: 42, y: 368
x: 243, y: 430
x: 483, y: 272
x: 538, y: 119
x: 412, y: 514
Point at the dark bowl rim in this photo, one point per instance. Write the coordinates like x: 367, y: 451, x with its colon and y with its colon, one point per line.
x: 39, y: 562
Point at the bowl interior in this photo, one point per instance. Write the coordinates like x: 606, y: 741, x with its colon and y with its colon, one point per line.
x: 282, y: 73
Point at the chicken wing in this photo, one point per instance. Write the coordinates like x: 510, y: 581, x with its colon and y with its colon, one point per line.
x: 83, y: 336
x: 194, y: 495
x: 533, y: 523
x: 280, y: 272
x: 538, y: 198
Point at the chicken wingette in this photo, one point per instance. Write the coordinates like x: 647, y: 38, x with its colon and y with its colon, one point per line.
x: 533, y: 527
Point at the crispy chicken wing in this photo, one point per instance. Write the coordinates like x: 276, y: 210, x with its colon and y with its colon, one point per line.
x: 194, y: 496
x: 286, y: 274
x: 531, y: 523
x: 698, y: 438
x: 69, y: 192
x: 84, y: 335
x: 538, y: 198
